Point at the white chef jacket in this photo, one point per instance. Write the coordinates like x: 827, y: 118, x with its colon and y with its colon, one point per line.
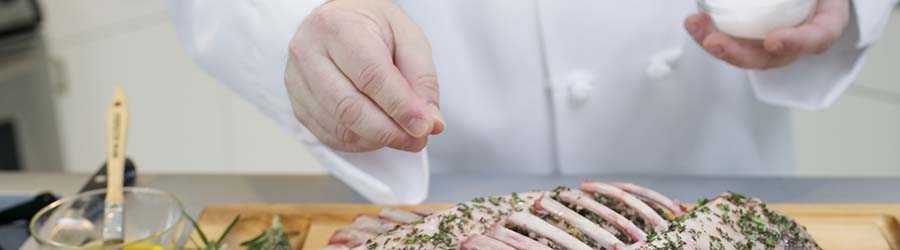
x: 549, y: 87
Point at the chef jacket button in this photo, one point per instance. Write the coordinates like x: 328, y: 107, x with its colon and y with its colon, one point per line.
x: 580, y: 91
x: 658, y: 70
x: 661, y: 63
x: 579, y: 85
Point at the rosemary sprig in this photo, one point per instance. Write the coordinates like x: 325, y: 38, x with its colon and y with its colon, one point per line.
x: 273, y: 238
x: 207, y: 244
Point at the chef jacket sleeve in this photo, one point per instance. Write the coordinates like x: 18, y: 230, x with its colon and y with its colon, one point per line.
x: 243, y: 44
x: 815, y: 82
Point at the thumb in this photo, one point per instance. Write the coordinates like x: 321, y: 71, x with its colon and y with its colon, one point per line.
x: 412, y: 56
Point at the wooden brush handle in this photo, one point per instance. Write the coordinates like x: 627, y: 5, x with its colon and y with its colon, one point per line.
x: 117, y: 128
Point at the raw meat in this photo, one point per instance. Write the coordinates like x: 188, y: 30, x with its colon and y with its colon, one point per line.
x: 598, y: 216
x: 732, y: 221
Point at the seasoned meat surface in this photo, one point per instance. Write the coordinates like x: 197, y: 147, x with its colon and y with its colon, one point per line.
x: 732, y: 221
x: 595, y: 216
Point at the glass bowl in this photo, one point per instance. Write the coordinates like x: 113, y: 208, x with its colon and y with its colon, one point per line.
x: 154, y: 220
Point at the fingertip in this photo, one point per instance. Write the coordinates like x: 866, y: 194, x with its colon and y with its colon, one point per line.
x: 439, y: 123
x: 438, y: 127
x: 696, y: 26
x: 416, y: 144
x: 776, y: 41
x: 690, y: 21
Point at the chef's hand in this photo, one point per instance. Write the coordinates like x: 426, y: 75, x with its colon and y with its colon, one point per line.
x: 360, y: 77
x: 780, y: 47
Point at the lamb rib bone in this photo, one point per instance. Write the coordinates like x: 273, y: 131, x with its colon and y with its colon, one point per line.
x: 399, y: 216
x: 514, y: 239
x: 372, y: 224
x: 602, y: 237
x: 481, y: 242
x: 531, y: 223
x: 673, y: 206
x: 643, y: 210
x: 350, y: 237
x: 579, y: 198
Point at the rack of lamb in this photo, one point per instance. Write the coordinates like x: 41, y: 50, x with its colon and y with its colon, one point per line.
x: 595, y: 216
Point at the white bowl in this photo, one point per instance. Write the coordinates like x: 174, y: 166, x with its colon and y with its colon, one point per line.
x: 754, y: 19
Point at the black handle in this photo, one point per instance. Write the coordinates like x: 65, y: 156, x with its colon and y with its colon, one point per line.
x: 98, y: 180
x: 26, y: 209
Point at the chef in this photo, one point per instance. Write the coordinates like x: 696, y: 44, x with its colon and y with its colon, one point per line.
x: 385, y: 92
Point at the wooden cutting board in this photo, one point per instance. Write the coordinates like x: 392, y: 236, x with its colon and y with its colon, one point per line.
x: 871, y: 226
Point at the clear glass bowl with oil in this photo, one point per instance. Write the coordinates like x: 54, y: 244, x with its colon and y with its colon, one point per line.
x: 154, y: 220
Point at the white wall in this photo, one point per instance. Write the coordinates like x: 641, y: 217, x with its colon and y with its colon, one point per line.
x: 183, y: 121
x: 860, y: 134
